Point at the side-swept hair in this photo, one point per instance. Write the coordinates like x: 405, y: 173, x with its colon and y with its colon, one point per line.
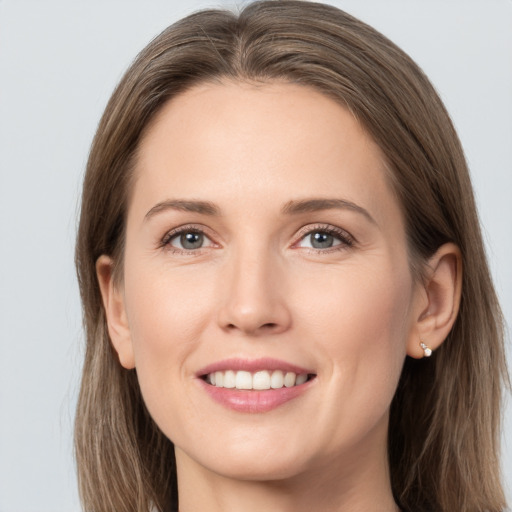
x: 445, y: 416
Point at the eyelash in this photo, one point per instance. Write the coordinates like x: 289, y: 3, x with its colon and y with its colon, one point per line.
x: 346, y: 239
x: 165, y: 243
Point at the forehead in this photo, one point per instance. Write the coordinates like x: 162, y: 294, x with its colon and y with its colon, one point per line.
x: 267, y: 141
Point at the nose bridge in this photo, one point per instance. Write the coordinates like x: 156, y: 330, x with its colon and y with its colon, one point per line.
x: 253, y: 300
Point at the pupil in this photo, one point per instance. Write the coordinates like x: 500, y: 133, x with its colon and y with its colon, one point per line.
x: 321, y: 240
x: 191, y: 240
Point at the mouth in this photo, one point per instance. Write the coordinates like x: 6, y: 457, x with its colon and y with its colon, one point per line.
x: 258, y: 381
x: 255, y: 386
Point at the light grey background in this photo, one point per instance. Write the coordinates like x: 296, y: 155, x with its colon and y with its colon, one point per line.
x: 59, y: 61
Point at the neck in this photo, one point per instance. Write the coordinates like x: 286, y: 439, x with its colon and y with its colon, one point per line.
x: 357, y: 483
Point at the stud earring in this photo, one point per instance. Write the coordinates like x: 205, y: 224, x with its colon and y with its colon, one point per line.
x: 427, y: 351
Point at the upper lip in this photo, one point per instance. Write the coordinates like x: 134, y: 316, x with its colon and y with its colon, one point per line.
x: 251, y: 365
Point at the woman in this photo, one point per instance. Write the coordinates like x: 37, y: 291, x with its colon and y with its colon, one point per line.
x: 286, y: 296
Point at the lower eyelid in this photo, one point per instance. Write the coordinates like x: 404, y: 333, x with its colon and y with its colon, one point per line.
x: 337, y: 245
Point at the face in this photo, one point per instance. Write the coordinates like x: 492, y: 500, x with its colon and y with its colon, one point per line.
x: 267, y: 298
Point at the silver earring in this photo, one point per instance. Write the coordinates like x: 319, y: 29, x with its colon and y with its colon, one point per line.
x: 427, y: 351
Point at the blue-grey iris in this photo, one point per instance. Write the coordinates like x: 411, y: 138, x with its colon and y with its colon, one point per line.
x: 321, y: 240
x: 191, y: 240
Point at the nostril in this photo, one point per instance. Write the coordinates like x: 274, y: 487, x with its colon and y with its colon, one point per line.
x: 270, y: 326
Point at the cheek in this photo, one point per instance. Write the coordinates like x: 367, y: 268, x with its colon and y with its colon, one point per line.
x: 363, y: 307
x: 361, y: 323
x: 166, y: 305
x: 167, y: 316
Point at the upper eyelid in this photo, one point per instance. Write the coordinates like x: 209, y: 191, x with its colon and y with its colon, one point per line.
x: 200, y: 228
x: 329, y: 228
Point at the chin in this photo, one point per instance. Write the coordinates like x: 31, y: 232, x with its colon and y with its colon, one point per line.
x: 264, y: 469
x: 260, y: 464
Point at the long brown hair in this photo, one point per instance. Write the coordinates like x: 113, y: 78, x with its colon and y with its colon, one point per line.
x: 445, y: 416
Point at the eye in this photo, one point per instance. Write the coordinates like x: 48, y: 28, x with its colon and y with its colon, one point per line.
x: 326, y: 238
x: 187, y: 240
x: 319, y: 240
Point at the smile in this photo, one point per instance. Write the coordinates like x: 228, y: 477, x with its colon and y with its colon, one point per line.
x: 254, y: 386
x: 261, y: 380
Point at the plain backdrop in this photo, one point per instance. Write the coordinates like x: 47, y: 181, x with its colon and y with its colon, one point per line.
x: 59, y: 62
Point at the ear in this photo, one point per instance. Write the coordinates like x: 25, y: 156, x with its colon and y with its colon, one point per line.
x: 438, y: 302
x: 115, y: 311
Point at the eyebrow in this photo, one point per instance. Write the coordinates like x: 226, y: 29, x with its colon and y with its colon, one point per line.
x: 203, y: 207
x: 294, y: 207
x: 313, y: 205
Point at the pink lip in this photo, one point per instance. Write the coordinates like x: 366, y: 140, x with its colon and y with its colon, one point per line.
x: 251, y: 365
x: 254, y: 401
x: 251, y: 401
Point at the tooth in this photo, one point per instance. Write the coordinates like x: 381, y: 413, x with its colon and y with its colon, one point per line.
x: 289, y: 379
x: 277, y: 379
x: 229, y: 379
x: 243, y: 380
x: 301, y: 378
x: 261, y: 380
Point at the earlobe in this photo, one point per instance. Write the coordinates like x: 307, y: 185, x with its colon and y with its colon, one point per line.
x: 115, y: 312
x: 440, y: 301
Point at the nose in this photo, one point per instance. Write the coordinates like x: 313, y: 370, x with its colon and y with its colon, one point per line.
x: 254, y: 296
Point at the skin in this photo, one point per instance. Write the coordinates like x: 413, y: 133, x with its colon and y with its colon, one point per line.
x: 257, y: 288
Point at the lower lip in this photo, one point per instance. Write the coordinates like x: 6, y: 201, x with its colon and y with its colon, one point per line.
x: 254, y: 401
